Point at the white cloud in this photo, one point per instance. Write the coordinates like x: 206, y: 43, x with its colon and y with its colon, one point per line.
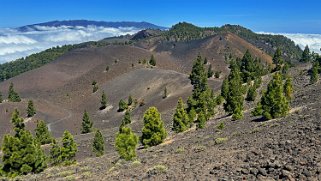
x: 312, y: 40
x: 16, y: 39
x: 15, y: 44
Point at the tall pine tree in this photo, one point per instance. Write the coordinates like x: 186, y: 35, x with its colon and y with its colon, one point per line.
x: 234, y: 98
x: 278, y: 60
x: 126, y: 120
x: 13, y: 96
x: 122, y: 105
x: 43, y: 135
x: 86, y: 124
x: 126, y: 142
x: 225, y: 88
x: 152, y: 61
x: 181, y: 121
x: 314, y: 73
x: 201, y: 120
x: 17, y: 122
x: 103, y: 102
x: 153, y: 132
x: 130, y: 100
x: 202, y: 99
x: 98, y: 144
x: 198, y: 76
x: 21, y: 153
x: 306, y: 55
x: 210, y: 72
x: 31, y: 111
x: 55, y: 153
x: 288, y: 88
x: 274, y: 103
x: 247, y: 67
x: 68, y: 149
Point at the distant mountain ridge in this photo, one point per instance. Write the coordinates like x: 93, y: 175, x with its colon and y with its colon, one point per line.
x: 86, y: 23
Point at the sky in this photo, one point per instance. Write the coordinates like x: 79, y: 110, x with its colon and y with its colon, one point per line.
x: 279, y: 16
x: 298, y: 20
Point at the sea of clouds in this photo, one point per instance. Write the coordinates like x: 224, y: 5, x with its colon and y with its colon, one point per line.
x: 312, y: 40
x: 16, y: 44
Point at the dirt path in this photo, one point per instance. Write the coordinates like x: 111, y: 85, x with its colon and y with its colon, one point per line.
x: 68, y: 112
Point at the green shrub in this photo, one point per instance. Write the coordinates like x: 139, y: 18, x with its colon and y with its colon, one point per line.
x: 153, y: 132
x: 126, y: 143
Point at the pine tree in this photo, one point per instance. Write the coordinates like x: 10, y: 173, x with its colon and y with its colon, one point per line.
x: 126, y: 120
x: 21, y: 153
x: 198, y: 79
x: 130, y: 100
x: 17, y: 122
x: 288, y: 88
x: 278, y: 60
x: 68, y: 149
x: 225, y: 88
x: 95, y: 86
x: 192, y: 115
x: 274, y: 103
x: 210, y: 72
x: 202, y: 100
x: 31, y: 111
x: 13, y: 95
x: 181, y: 121
x: 122, y: 105
x: 247, y: 66
x: 205, y: 61
x: 306, y: 55
x: 207, y: 103
x: 55, y: 153
x: 126, y: 143
x: 251, y: 93
x: 153, y: 132
x: 152, y: 61
x: 217, y: 74
x: 235, y: 99
x: 198, y: 75
x: 165, y: 93
x: 103, y: 102
x: 87, y: 124
x: 98, y: 144
x: 314, y: 73
x: 201, y: 120
x: 43, y: 135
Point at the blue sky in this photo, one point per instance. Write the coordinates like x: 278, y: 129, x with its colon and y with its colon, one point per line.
x: 286, y: 16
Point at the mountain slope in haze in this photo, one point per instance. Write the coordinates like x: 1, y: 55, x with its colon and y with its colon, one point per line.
x: 86, y: 23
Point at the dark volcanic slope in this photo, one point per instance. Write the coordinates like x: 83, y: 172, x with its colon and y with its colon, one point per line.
x: 281, y: 149
x: 215, y: 48
x: 64, y: 88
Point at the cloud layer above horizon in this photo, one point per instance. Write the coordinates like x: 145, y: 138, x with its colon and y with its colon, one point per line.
x: 16, y: 44
x: 312, y: 40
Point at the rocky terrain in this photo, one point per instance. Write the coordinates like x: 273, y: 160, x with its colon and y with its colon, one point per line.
x: 249, y: 149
